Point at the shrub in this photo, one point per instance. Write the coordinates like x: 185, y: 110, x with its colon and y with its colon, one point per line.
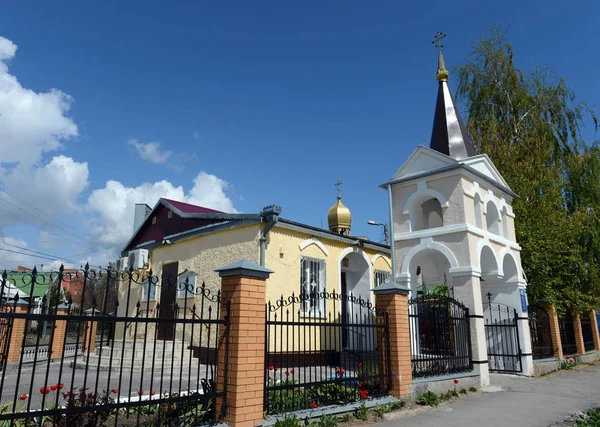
x: 345, y: 418
x: 288, y: 421
x: 428, y: 398
x: 394, y: 406
x: 381, y: 410
x: 362, y: 413
x: 328, y: 421
x: 592, y: 420
x: 463, y: 391
x: 472, y: 389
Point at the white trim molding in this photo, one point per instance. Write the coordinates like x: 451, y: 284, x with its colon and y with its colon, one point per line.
x: 313, y: 241
x: 386, y: 259
x: 427, y: 245
x: 423, y: 192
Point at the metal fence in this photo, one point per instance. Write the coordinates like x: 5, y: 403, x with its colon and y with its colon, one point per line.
x: 567, y: 334
x: 338, y: 354
x: 502, y: 337
x: 113, y: 378
x: 440, y: 336
x: 587, y: 332
x: 539, y: 327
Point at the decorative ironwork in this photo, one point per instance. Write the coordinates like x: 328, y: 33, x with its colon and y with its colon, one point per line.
x: 539, y: 328
x: 587, y: 332
x: 307, y: 361
x: 103, y: 370
x: 440, y: 336
x: 502, y: 337
x: 567, y: 334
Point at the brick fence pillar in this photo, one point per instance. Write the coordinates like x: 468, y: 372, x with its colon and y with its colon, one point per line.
x: 243, y: 285
x: 578, y: 332
x: 555, y: 333
x: 393, y: 299
x: 17, y: 333
x: 59, y: 333
x: 594, y: 320
x: 89, y: 339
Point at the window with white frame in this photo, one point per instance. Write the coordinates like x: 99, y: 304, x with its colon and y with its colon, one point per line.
x: 312, y: 283
x: 186, y: 285
x: 148, y: 290
x: 382, y: 276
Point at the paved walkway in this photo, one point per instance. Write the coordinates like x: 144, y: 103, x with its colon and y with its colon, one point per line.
x: 523, y: 402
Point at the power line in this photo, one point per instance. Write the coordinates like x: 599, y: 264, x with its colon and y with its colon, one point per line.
x: 41, y: 211
x: 50, y: 258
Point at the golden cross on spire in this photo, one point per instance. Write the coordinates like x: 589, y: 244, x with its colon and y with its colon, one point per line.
x: 338, y: 186
x: 438, y: 40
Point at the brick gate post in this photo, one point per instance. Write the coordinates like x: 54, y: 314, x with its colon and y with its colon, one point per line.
x: 243, y: 284
x: 578, y: 332
x: 17, y: 333
x: 90, y: 327
x: 393, y: 299
x: 59, y: 333
x: 594, y: 320
x: 555, y: 332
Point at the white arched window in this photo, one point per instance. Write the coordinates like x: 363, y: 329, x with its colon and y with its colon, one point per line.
x: 492, y: 218
x: 429, y: 215
x: 477, y: 205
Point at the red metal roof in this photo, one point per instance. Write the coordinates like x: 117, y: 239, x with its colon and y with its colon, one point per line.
x: 191, y: 209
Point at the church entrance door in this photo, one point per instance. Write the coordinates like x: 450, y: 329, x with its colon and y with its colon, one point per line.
x: 168, y: 295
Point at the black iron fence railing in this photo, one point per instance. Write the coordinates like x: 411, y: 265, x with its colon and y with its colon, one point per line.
x: 335, y: 356
x: 567, y: 334
x: 88, y: 371
x: 587, y: 332
x: 440, y: 337
x: 539, y: 327
x: 502, y: 337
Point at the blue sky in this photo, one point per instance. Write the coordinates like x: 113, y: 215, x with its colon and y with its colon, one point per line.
x: 278, y: 100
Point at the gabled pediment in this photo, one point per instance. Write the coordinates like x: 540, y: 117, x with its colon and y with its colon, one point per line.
x: 483, y: 164
x: 423, y: 160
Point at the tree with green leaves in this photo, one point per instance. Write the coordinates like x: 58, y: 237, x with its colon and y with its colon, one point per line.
x: 530, y: 124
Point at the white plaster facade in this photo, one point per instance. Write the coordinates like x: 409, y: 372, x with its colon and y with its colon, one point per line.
x: 453, y: 222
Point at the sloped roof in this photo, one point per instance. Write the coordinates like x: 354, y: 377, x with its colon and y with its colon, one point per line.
x: 187, y: 208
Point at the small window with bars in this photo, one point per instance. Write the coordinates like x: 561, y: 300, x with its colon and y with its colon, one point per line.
x: 312, y: 284
x: 382, y: 276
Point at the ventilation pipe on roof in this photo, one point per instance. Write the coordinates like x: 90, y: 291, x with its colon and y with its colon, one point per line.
x: 270, y: 216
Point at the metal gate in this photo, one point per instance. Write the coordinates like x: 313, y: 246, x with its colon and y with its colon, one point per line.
x: 440, y: 336
x: 502, y: 336
x: 309, y: 362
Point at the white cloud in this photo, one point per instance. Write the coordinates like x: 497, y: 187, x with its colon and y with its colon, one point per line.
x: 113, y: 205
x: 150, y: 151
x: 31, y: 123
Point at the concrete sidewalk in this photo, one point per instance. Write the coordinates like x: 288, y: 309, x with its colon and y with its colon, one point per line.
x: 522, y: 402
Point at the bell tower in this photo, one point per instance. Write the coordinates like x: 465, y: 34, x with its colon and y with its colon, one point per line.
x: 453, y: 225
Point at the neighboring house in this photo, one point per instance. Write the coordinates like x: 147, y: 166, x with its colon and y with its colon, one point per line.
x: 176, y: 238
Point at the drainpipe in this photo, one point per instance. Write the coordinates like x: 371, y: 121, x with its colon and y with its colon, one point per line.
x: 391, y: 239
x: 270, y: 216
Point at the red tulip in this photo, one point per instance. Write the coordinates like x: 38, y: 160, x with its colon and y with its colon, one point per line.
x: 271, y: 368
x: 115, y: 390
x: 23, y: 396
x: 44, y: 390
x: 287, y: 373
x: 53, y: 387
x: 314, y: 405
x: 276, y: 369
x: 141, y: 392
x: 153, y: 393
x: 67, y: 394
x: 360, y: 365
x: 291, y: 371
x: 60, y: 386
x: 455, y: 381
x: 364, y: 394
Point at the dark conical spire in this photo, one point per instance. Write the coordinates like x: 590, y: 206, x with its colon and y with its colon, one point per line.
x: 449, y: 135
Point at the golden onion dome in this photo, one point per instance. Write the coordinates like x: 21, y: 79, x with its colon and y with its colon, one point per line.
x: 339, y: 218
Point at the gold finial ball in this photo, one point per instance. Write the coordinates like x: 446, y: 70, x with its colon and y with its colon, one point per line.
x: 442, y: 75
x: 339, y: 216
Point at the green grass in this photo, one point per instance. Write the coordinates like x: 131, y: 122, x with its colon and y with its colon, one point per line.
x: 593, y: 419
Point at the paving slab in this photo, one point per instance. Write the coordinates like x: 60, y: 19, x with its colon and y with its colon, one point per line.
x: 521, y: 401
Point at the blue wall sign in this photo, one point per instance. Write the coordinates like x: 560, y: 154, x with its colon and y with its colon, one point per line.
x: 523, y: 300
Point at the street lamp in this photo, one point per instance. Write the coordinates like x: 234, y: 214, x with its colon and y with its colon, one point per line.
x: 385, y: 230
